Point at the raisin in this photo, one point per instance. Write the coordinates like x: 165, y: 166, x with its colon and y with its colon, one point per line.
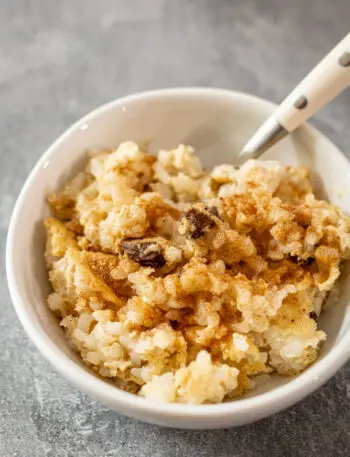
x: 295, y: 259
x: 313, y: 315
x: 175, y: 325
x: 146, y: 253
x: 199, y: 222
x: 309, y: 261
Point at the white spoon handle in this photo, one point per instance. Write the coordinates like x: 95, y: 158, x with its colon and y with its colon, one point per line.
x: 330, y: 77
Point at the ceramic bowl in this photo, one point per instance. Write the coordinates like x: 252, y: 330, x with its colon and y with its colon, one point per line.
x: 217, y: 123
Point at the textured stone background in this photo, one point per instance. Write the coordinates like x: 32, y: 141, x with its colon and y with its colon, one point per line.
x: 58, y: 60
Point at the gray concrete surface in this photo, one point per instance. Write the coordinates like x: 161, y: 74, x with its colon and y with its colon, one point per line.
x: 58, y: 60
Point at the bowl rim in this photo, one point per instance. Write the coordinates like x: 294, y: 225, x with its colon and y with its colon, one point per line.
x: 271, y: 401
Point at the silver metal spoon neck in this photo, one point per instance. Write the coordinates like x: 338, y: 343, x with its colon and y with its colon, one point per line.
x: 266, y: 136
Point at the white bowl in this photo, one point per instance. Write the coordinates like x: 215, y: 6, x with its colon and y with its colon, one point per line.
x: 217, y: 123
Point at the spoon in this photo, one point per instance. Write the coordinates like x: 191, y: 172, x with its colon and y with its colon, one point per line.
x: 330, y: 77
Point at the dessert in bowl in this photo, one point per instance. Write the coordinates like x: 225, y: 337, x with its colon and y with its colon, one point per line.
x: 177, y: 283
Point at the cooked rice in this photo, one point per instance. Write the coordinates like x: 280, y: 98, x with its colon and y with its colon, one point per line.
x: 182, y: 285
